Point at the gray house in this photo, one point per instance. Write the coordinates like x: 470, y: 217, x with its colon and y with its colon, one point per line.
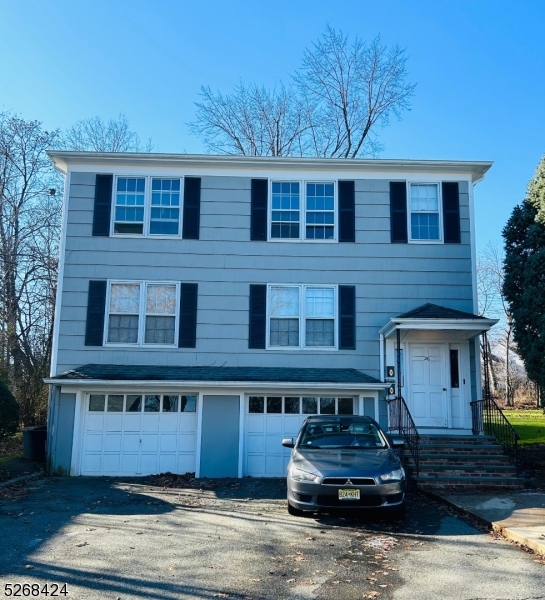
x: 207, y: 304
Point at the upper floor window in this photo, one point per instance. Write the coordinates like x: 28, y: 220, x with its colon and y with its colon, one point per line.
x: 141, y: 210
x: 302, y: 316
x: 303, y: 210
x: 142, y: 313
x: 424, y: 212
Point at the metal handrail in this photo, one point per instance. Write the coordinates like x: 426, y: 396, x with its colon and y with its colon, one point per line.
x: 400, y: 420
x: 488, y: 418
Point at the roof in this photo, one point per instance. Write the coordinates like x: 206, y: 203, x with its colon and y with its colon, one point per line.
x: 215, y: 374
x: 434, y: 311
x: 264, y: 165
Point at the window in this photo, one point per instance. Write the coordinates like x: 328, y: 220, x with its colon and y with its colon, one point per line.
x: 147, y: 206
x: 302, y: 316
x: 148, y: 403
x: 424, y: 212
x: 310, y: 215
x: 294, y: 405
x: 142, y: 313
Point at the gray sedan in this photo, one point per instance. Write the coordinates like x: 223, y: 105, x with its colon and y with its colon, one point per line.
x: 344, y: 462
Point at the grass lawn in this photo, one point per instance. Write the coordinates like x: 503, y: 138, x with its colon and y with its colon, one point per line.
x: 530, y: 425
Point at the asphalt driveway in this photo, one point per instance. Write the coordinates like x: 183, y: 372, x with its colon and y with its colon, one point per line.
x: 234, y: 539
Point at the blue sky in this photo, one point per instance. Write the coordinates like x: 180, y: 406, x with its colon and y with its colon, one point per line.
x: 479, y: 66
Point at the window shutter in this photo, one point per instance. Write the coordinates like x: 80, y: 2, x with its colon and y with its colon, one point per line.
x: 347, y: 317
x: 187, y: 334
x: 103, y: 205
x: 258, y: 316
x: 451, y: 213
x: 192, y: 208
x: 398, y: 212
x: 96, y: 306
x: 258, y: 223
x: 347, y: 211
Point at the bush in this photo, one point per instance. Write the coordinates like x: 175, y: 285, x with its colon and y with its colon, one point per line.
x: 9, y: 412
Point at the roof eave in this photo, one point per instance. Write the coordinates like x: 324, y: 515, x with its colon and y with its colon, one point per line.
x: 63, y: 160
x: 477, y: 325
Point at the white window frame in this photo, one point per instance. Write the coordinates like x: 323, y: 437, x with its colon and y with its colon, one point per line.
x: 302, y: 317
x: 147, y: 207
x: 141, y: 314
x: 303, y: 211
x: 412, y: 240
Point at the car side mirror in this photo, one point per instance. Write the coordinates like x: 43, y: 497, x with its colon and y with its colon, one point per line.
x: 397, y: 442
x: 288, y: 443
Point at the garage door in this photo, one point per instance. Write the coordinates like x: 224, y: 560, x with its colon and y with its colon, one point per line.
x: 139, y: 434
x: 271, y: 418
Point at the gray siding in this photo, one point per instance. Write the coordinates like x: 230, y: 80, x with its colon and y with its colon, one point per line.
x: 220, y: 436
x: 389, y: 278
x: 60, y: 432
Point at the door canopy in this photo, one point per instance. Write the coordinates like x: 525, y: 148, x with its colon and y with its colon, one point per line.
x: 432, y: 317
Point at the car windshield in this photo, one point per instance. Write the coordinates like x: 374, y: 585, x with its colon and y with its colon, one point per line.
x: 341, y: 434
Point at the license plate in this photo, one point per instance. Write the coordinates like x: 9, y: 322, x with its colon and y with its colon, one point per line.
x: 349, y: 494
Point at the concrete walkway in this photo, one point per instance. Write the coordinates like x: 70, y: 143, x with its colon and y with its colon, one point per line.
x: 518, y: 516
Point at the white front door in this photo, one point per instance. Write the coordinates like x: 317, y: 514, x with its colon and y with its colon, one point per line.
x: 427, y: 398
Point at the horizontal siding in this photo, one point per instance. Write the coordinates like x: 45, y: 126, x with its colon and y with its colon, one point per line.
x: 389, y: 278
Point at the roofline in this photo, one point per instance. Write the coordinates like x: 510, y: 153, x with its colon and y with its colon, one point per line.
x: 92, y: 383
x: 478, y: 325
x: 63, y: 160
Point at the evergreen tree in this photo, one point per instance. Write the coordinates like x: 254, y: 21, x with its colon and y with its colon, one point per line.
x: 9, y: 412
x: 524, y: 283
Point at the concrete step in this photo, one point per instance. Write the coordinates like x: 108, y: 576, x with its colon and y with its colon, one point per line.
x: 459, y: 459
x: 427, y: 482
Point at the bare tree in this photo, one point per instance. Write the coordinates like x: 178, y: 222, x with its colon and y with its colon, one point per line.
x: 251, y: 121
x: 338, y: 98
x: 100, y: 136
x: 29, y: 232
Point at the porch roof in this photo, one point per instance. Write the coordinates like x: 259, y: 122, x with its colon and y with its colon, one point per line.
x: 433, y: 317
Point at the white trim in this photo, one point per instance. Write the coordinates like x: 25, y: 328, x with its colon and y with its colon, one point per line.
x: 60, y: 278
x: 328, y: 168
x: 475, y: 326
x: 77, y: 436
x: 302, y: 317
x: 141, y: 314
x: 146, y: 224
x: 199, y: 435
x: 410, y: 239
x: 241, y: 432
x: 303, y: 210
x: 382, y: 351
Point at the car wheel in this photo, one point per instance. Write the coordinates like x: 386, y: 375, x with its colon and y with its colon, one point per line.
x: 295, y: 512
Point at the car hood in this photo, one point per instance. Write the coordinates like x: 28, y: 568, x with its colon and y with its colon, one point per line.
x: 346, y: 462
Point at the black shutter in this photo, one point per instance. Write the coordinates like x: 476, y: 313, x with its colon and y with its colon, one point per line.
x: 103, y: 205
x: 347, y: 317
x: 451, y: 213
x: 187, y: 334
x: 258, y: 221
x: 258, y: 316
x: 192, y: 208
x: 347, y: 212
x: 398, y: 212
x: 96, y: 306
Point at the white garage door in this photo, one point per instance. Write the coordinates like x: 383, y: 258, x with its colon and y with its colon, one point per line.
x: 139, y: 434
x: 271, y: 418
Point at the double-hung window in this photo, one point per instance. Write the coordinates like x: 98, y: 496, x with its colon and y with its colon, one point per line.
x: 147, y: 206
x: 424, y: 212
x: 303, y: 210
x: 302, y: 316
x: 142, y: 313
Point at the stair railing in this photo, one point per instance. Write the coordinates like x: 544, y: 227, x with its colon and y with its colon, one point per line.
x: 401, y: 421
x: 488, y: 418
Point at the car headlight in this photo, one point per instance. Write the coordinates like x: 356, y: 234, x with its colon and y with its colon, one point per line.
x: 395, y: 475
x: 300, y: 475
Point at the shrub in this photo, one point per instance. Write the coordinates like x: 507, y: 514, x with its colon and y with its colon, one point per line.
x: 9, y: 412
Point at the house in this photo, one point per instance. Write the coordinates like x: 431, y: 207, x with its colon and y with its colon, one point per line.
x: 207, y: 304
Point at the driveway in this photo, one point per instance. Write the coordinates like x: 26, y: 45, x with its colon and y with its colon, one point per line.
x: 128, y: 539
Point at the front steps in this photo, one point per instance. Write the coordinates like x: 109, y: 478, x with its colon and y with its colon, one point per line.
x: 462, y: 463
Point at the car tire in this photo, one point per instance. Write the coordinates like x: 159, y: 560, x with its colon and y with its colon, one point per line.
x: 294, y: 512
